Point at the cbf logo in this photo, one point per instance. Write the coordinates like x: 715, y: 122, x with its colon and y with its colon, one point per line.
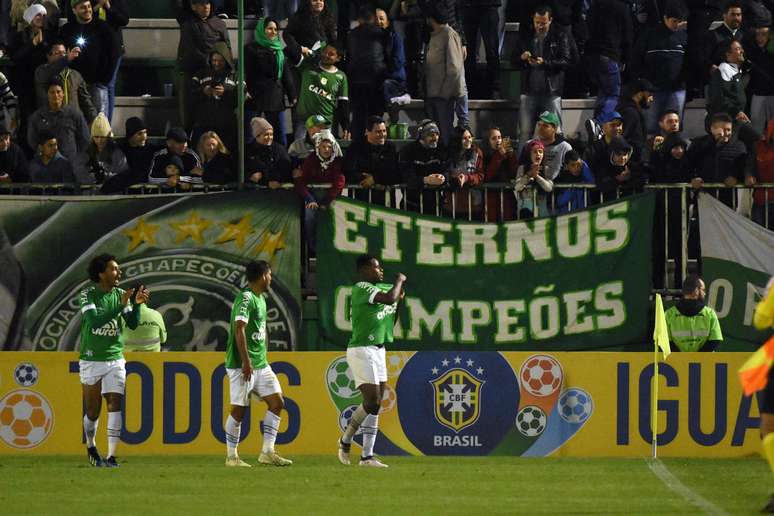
x: 445, y: 407
x: 457, y: 397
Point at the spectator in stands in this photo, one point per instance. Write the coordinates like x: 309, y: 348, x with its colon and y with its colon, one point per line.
x: 324, y: 92
x: 173, y: 168
x: 308, y: 30
x: 659, y: 57
x: 372, y: 162
x: 760, y: 55
x: 139, y: 154
x: 668, y: 123
x: 612, y: 126
x: 609, y: 44
x: 100, y: 51
x: 200, y: 30
x: 324, y: 166
x: 636, y: 100
x: 217, y: 165
x: 757, y: 14
x: 763, y: 200
x: 303, y: 147
x: 717, y: 157
x: 48, y: 165
x: 555, y: 146
x: 613, y: 170
x: 368, y: 49
x: 715, y: 41
x: 176, y: 145
x: 116, y: 14
x: 692, y: 325
x: 8, y: 104
x: 268, y: 76
x: 102, y: 158
x: 424, y: 164
x: 28, y: 51
x: 466, y: 170
x: 68, y: 125
x: 500, y: 166
x: 444, y: 73
x: 483, y: 17
x: 266, y: 162
x: 214, y: 97
x: 58, y: 62
x: 531, y: 183
x: 13, y: 162
x: 542, y: 54
x: 726, y: 90
x: 395, y: 86
x: 574, y: 171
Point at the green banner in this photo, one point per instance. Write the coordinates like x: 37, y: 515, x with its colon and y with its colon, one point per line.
x: 737, y: 261
x: 190, y: 250
x: 576, y: 281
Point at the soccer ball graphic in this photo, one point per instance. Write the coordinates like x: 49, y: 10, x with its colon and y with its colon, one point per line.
x: 388, y: 399
x: 26, y: 419
x: 26, y: 374
x: 345, y: 416
x: 541, y: 375
x: 531, y: 421
x: 340, y: 381
x: 575, y: 405
x: 396, y: 360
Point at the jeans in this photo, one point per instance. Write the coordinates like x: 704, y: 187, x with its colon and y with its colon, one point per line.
x: 99, y: 97
x: 461, y: 110
x: 663, y: 100
x: 442, y: 112
x: 310, y: 219
x: 530, y: 107
x: 605, y: 74
x: 485, y: 20
x: 112, y: 89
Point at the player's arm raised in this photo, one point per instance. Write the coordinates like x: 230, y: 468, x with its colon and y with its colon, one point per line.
x: 241, y: 342
x: 393, y: 295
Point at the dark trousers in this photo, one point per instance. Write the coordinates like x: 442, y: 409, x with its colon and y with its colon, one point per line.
x: 486, y: 21
x: 364, y: 100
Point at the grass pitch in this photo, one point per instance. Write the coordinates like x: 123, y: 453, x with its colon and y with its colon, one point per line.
x: 412, y: 485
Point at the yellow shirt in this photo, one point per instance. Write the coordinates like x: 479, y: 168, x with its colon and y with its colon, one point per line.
x: 763, y: 317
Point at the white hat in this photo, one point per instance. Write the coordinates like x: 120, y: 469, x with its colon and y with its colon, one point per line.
x: 32, y: 11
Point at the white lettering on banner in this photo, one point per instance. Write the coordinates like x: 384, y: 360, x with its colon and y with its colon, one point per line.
x: 346, y: 217
x: 463, y: 441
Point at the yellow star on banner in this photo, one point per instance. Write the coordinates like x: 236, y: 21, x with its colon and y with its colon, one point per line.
x: 270, y: 243
x: 237, y: 232
x: 140, y: 233
x: 193, y: 228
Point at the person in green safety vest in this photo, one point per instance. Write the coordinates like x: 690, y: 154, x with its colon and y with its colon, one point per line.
x: 692, y: 325
x: 150, y: 333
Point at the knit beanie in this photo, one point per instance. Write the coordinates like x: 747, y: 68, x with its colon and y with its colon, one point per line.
x: 259, y: 126
x: 101, y: 127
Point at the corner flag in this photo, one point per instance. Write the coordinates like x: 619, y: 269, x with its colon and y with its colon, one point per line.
x: 660, y: 332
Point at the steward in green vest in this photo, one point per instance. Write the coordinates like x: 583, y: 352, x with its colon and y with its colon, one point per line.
x: 692, y: 325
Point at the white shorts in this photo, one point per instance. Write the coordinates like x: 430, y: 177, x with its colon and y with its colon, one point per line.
x: 112, y: 373
x: 263, y: 382
x: 368, y: 364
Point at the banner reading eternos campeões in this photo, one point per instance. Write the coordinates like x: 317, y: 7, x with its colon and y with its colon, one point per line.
x: 438, y: 403
x: 576, y: 281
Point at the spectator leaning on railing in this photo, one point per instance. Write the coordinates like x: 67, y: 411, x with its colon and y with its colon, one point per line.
x: 102, y: 158
x: 13, y: 162
x: 372, y: 162
x: 48, y: 165
x: 423, y: 164
x: 266, y: 161
x: 176, y: 145
x: 466, y: 170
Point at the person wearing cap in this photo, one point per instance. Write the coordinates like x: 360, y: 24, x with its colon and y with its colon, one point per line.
x: 67, y: 124
x: 102, y: 158
x: 324, y: 92
x: 659, y: 56
x: 13, y: 162
x: 444, y: 73
x: 48, y: 165
x: 613, y: 170
x: 176, y: 145
x: 612, y: 126
x: 173, y: 171
x: 372, y: 162
x: 555, y: 146
x: 304, y: 146
x: 200, y: 30
x: 424, y: 165
x: 635, y: 101
x: 324, y: 166
x: 100, y: 51
x: 542, y: 55
x: 76, y: 93
x: 266, y: 161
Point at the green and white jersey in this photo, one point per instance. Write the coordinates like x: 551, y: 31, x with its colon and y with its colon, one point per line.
x: 250, y: 309
x: 102, y: 324
x: 691, y: 333
x: 320, y: 92
x: 372, y: 322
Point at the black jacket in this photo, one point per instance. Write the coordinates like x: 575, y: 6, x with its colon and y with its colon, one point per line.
x: 117, y: 17
x: 610, y: 29
x: 13, y: 162
x: 267, y: 92
x: 761, y: 70
x: 219, y: 170
x: 381, y: 161
x: 634, y: 129
x: 726, y: 96
x: 368, y: 53
x: 100, y: 52
x: 713, y: 163
x: 305, y: 31
x: 659, y: 56
x: 417, y: 162
x: 664, y: 168
x: 271, y: 160
x: 197, y: 40
x: 211, y: 112
x: 556, y: 57
x: 711, y: 45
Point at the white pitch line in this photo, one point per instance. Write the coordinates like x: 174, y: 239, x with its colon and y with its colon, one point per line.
x: 672, y: 482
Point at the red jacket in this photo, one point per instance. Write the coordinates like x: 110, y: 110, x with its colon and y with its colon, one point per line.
x: 764, y: 151
x: 312, y: 173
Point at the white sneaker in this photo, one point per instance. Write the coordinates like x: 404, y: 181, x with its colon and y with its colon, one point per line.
x: 372, y: 462
x: 237, y: 462
x: 271, y: 458
x: 344, y: 453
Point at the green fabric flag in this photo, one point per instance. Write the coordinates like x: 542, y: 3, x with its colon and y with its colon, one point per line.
x: 272, y: 44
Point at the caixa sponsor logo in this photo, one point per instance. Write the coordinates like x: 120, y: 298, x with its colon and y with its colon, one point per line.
x: 167, y: 417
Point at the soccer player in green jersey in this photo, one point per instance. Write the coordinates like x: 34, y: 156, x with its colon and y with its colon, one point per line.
x: 105, y: 309
x: 373, y: 308
x: 248, y: 369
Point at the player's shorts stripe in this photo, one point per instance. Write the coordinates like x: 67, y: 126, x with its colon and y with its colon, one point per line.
x: 88, y: 307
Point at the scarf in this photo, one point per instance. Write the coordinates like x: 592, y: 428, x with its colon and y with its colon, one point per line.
x: 326, y: 135
x: 271, y: 44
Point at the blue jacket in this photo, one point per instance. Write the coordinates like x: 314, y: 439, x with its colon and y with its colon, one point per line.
x: 571, y: 199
